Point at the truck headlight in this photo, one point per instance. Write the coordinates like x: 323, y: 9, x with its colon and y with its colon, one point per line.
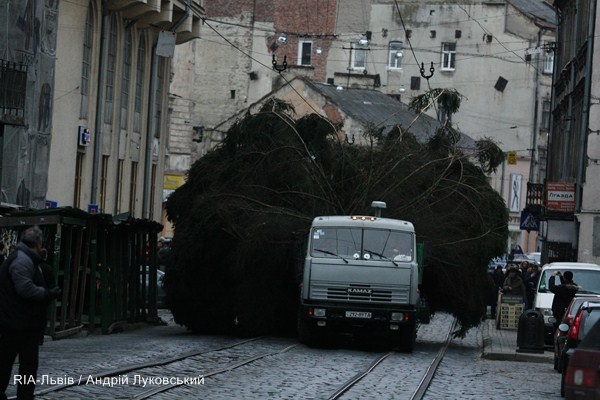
x: 397, y: 316
x: 319, y: 312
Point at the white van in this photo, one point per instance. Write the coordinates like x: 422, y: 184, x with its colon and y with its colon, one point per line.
x: 585, y: 275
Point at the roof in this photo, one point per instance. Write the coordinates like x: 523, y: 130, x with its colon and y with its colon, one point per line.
x: 372, y: 107
x: 367, y: 222
x: 540, y: 10
x: 571, y: 265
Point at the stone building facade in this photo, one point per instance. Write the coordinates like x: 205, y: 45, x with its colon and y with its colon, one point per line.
x: 113, y: 70
x: 572, y: 227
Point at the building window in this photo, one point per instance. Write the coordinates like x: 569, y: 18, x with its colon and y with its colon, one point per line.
x: 119, y: 193
x: 415, y: 83
x: 549, y: 62
x: 501, y: 84
x: 125, y: 78
x: 103, y: 183
x: 160, y: 75
x: 359, y: 56
x: 448, y: 56
x: 133, y: 187
x: 78, y: 179
x: 139, y: 83
x: 152, y: 191
x: 86, y: 65
x: 109, y: 87
x: 546, y: 115
x: 304, y: 52
x: 395, y: 55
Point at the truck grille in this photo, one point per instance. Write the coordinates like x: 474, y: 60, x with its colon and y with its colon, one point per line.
x: 323, y: 291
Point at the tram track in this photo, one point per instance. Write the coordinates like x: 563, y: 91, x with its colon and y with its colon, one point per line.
x: 114, y: 372
x: 423, y: 384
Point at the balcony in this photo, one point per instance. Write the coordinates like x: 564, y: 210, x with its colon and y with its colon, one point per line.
x: 164, y: 14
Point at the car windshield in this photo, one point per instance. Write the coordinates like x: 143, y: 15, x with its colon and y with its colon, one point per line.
x: 358, y: 243
x: 587, y: 280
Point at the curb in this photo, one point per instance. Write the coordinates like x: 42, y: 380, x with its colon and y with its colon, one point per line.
x: 532, y: 358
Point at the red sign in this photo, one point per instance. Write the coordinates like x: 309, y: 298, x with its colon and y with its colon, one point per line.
x: 560, y: 197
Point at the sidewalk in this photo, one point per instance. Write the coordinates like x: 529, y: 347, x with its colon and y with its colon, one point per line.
x: 501, y: 344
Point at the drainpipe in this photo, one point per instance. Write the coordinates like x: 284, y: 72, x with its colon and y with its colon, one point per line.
x: 100, y: 102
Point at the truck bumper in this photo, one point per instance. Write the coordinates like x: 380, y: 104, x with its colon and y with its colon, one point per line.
x: 359, y: 318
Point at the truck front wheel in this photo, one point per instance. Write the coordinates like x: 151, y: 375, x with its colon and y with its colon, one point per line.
x: 406, y: 338
x: 306, y: 333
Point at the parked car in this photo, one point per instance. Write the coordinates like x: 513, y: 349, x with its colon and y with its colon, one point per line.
x: 585, y: 275
x: 535, y: 256
x: 560, y: 337
x: 582, y: 378
x: 587, y: 315
x: 495, y: 262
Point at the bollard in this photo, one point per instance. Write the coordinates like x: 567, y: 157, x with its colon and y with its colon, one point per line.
x: 530, y: 334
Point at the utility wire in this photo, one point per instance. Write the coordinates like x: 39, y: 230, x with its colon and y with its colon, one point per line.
x: 266, y: 66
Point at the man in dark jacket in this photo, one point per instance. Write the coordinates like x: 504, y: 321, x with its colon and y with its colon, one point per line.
x: 563, y: 294
x: 23, y: 302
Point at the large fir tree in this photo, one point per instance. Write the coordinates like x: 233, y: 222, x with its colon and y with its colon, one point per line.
x: 242, y: 216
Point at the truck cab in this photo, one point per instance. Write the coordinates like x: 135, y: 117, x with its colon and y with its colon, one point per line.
x: 360, y: 277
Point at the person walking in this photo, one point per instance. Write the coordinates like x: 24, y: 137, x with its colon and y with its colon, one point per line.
x: 563, y: 294
x: 23, y: 302
x: 513, y: 284
x: 531, y: 284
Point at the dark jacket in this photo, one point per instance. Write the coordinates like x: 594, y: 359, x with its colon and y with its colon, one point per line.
x: 23, y: 296
x: 563, y: 294
x: 517, y: 287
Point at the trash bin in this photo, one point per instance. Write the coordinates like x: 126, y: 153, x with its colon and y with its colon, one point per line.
x: 530, y: 334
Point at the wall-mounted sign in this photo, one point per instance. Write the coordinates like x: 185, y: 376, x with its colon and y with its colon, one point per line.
x: 511, y: 157
x: 560, y: 197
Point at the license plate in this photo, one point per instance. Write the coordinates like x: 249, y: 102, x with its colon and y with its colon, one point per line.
x: 358, y: 314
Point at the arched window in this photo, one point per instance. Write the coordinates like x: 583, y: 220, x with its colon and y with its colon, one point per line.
x: 160, y: 75
x: 125, y: 78
x: 109, y: 85
x: 86, y: 63
x: 139, y: 83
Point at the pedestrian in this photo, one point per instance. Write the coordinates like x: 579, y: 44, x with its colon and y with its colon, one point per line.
x: 516, y: 250
x: 513, y: 284
x: 23, y: 302
x: 491, y: 294
x: 531, y: 284
x: 524, y: 267
x: 563, y: 294
x: 499, y: 277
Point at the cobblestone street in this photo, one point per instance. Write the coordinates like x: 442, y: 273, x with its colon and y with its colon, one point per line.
x: 299, y: 372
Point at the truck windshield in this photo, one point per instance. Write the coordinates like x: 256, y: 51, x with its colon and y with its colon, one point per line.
x: 358, y: 243
x: 587, y: 279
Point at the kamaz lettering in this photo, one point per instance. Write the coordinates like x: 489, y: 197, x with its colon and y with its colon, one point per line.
x: 359, y: 291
